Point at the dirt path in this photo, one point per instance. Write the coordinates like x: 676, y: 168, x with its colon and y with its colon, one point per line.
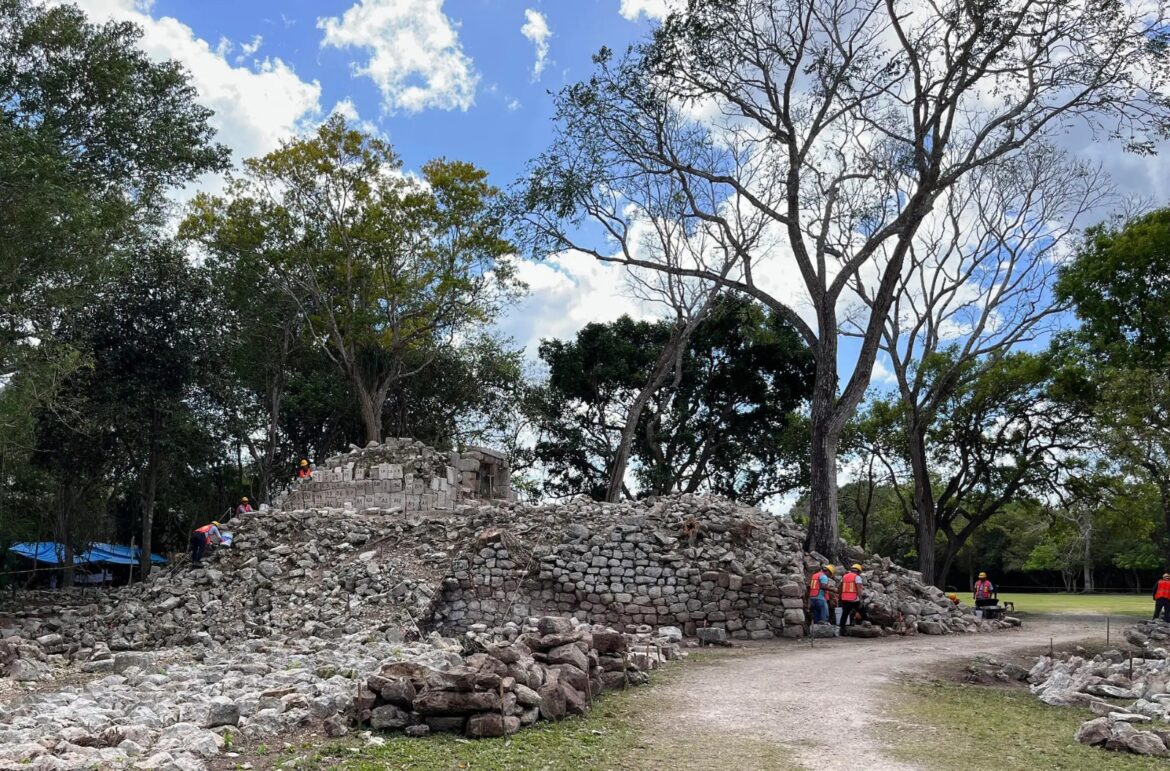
x: 789, y: 706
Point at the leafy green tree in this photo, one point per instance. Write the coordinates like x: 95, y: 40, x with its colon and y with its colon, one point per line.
x: 997, y: 436
x: 1118, y: 361
x: 152, y: 343
x: 725, y: 421
x: 91, y: 130
x: 386, y: 270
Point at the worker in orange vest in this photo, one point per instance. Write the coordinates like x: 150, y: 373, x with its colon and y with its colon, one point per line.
x: 818, y: 594
x: 201, y: 538
x: 985, y: 594
x: 244, y: 506
x: 1162, y: 598
x: 851, y: 590
x: 304, y: 472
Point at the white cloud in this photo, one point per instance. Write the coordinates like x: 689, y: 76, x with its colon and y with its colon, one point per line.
x: 250, y: 49
x: 536, y: 29
x: 566, y: 292
x: 254, y: 107
x: 348, y: 110
x: 514, y: 105
x: 415, y: 57
x: 651, y: 9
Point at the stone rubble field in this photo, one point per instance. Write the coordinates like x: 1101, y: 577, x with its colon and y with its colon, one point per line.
x: 1128, y: 691
x: 331, y: 619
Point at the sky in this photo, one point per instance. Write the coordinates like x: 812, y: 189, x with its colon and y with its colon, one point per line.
x: 466, y: 79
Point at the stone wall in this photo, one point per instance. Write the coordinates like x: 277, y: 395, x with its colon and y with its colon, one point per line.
x: 690, y: 561
x: 401, y: 475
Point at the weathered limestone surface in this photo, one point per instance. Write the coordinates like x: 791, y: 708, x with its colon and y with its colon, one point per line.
x: 326, y: 618
x: 1128, y: 689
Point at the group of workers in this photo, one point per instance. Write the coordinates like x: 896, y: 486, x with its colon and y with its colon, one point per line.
x: 203, y: 538
x: 847, y: 595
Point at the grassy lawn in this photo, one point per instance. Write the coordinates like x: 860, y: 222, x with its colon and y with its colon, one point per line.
x: 950, y: 726
x: 601, y: 739
x: 1102, y: 604
x: 608, y: 737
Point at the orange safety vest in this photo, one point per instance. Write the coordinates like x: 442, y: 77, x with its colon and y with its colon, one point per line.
x: 304, y: 473
x: 849, y: 587
x: 205, y: 529
x: 1162, y: 590
x: 983, y: 590
x: 814, y: 587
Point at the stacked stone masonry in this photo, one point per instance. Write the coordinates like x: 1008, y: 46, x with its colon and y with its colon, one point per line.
x: 402, y: 475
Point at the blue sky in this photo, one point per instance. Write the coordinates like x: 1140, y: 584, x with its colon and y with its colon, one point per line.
x: 508, y: 121
x: 465, y: 79
x: 453, y: 78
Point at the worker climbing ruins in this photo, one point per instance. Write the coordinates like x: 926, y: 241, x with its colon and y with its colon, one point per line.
x: 244, y: 506
x: 985, y: 593
x: 851, y: 593
x: 304, y: 471
x: 1162, y: 598
x: 819, y: 590
x: 201, y: 539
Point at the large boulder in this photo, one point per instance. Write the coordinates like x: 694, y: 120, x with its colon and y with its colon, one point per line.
x: 1094, y: 732
x: 1145, y: 743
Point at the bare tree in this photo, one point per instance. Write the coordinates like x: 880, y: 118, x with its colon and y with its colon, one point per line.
x: 976, y: 284
x: 830, y: 128
x: 676, y: 243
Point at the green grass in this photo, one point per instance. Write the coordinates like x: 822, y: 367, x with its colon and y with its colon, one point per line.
x: 948, y: 727
x: 1100, y: 604
x: 602, y: 739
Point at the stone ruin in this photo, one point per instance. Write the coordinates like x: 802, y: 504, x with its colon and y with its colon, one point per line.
x: 1128, y: 691
x: 402, y: 475
x: 328, y: 618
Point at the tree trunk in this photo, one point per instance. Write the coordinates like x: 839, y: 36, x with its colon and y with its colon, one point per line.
x: 924, y: 505
x: 822, y: 524
x: 1164, y: 497
x: 148, y: 485
x: 66, y: 520
x: 371, y: 407
x: 950, y: 554
x: 1088, y: 563
x: 669, y: 356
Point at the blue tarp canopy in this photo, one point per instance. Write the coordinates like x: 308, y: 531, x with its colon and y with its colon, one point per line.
x: 53, y: 553
x: 116, y: 554
x: 49, y: 552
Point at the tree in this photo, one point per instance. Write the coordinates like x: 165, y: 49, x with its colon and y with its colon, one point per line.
x: 92, y: 134
x: 724, y: 421
x: 382, y: 265
x: 1119, y: 359
x: 262, y: 335
x: 91, y: 131
x: 150, y: 335
x: 818, y: 136
x: 975, y: 286
x: 998, y: 435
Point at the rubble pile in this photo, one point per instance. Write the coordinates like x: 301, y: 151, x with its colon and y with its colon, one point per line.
x: 1128, y: 691
x: 557, y: 668
x: 693, y: 562
x: 326, y: 617
x: 180, y: 706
